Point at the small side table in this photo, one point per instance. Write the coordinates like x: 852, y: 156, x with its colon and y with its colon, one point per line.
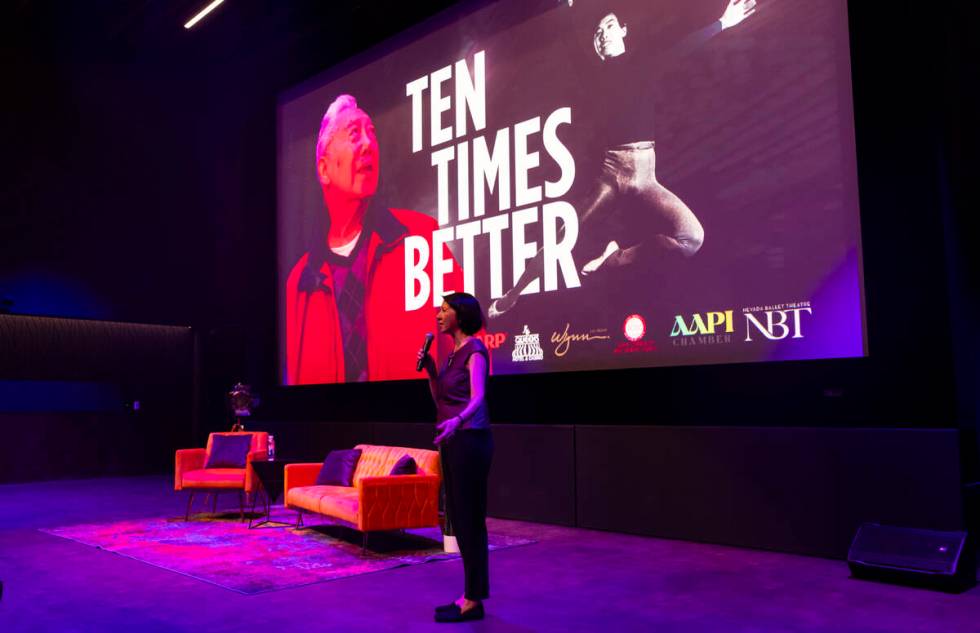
x: 271, y: 476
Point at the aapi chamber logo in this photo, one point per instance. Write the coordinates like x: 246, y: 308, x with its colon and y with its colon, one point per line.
x: 707, y: 328
x: 634, y: 329
x: 527, y: 347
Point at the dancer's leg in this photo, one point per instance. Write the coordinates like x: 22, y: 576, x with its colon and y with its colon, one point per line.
x: 655, y: 221
x: 591, y: 241
x: 676, y: 228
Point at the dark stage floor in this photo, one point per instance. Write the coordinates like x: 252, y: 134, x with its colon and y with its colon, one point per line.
x: 570, y: 580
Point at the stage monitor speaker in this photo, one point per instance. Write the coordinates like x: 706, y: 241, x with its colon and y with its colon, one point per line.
x: 920, y: 558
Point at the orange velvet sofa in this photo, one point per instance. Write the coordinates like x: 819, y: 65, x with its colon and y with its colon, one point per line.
x: 377, y: 501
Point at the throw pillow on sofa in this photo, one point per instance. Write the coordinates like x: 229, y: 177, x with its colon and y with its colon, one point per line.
x: 338, y: 468
x: 229, y: 451
x: 405, y: 466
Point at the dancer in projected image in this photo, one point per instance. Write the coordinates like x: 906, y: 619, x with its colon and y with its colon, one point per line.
x: 465, y: 445
x: 345, y: 298
x: 629, y: 215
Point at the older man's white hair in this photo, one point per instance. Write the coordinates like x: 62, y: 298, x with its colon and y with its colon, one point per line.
x: 329, y: 123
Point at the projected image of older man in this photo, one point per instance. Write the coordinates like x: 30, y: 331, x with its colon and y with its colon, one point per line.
x: 345, y: 309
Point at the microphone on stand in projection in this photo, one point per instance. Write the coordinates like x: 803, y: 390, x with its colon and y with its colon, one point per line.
x: 429, y: 336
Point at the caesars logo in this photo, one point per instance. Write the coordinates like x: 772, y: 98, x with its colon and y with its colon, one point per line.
x: 563, y: 340
x: 776, y: 322
x: 527, y: 346
x: 711, y: 328
x: 634, y: 329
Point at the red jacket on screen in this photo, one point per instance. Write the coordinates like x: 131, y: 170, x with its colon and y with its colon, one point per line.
x: 314, y: 352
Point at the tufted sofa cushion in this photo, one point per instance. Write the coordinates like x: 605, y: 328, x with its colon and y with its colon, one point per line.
x: 377, y: 461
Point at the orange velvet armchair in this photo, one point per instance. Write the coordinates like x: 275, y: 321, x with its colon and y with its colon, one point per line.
x: 190, y: 473
x: 377, y: 501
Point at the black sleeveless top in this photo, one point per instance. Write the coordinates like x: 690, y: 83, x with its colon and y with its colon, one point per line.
x: 453, y: 387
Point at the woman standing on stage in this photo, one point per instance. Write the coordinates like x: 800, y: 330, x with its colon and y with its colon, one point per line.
x: 466, y: 446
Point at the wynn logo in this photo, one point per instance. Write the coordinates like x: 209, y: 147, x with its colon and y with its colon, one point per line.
x: 527, y: 346
x: 563, y: 340
x: 776, y: 322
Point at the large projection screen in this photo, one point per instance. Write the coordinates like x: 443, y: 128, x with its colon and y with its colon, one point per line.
x: 621, y: 184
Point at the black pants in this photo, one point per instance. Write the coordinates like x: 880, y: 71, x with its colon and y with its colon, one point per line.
x: 466, y: 458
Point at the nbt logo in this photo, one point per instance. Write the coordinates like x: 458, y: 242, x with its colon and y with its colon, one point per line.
x: 774, y: 325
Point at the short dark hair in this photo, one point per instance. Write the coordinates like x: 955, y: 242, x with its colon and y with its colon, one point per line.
x: 469, y: 315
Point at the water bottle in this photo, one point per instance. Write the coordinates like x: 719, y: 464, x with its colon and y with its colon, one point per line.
x: 271, y: 450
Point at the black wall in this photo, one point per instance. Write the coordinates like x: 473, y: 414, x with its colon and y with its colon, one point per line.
x: 93, y: 398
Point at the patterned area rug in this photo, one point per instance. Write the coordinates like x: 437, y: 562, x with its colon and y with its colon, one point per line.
x: 221, y: 550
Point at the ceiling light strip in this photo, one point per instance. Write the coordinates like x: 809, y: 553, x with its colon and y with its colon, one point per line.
x: 197, y: 18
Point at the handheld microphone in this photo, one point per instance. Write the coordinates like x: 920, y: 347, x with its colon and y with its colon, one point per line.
x: 429, y: 336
